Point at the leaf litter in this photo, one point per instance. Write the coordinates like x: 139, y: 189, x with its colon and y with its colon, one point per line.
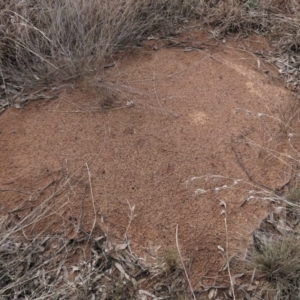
x: 42, y: 263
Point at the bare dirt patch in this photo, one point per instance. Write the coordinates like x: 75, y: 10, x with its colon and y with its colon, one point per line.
x: 174, y: 133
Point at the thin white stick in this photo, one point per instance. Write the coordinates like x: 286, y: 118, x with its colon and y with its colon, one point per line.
x: 185, y: 271
x: 226, y: 254
x: 93, y: 200
x: 131, y: 216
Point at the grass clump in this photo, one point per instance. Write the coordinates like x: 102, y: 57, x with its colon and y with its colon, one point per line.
x: 274, y: 256
x: 294, y: 195
x: 278, y: 262
x: 46, y: 42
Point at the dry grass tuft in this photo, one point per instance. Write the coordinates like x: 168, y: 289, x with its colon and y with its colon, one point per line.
x: 274, y: 256
x: 277, y: 260
x: 46, y: 43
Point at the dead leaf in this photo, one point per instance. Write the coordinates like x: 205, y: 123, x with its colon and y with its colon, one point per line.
x: 188, y: 49
x: 146, y: 293
x: 121, y: 247
x: 222, y: 203
x: 75, y: 268
x: 221, y: 249
x: 282, y: 227
x: 251, y: 288
x: 212, y: 294
x: 278, y: 210
x: 66, y: 274
x: 120, y: 268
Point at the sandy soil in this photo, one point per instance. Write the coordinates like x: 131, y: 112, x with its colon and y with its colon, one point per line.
x: 164, y: 136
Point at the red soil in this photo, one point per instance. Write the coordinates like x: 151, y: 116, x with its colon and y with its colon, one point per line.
x: 193, y: 105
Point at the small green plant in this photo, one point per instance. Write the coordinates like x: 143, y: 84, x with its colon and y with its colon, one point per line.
x: 294, y: 195
x: 288, y: 116
x: 170, y: 259
x: 252, y: 4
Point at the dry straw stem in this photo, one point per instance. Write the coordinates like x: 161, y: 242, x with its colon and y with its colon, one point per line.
x: 183, y: 266
x: 92, y: 199
x: 225, y: 253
